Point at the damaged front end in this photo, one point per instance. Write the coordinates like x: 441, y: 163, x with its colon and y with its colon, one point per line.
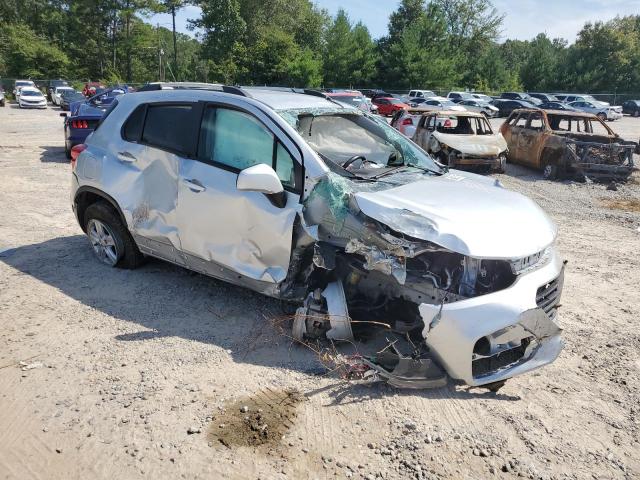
x: 444, y: 311
x: 601, y: 161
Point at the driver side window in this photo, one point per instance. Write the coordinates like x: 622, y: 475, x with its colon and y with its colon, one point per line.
x: 522, y: 121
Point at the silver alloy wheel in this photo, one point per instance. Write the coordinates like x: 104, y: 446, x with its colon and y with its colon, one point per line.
x: 103, y: 242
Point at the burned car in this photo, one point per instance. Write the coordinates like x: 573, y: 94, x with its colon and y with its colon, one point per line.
x: 334, y: 211
x: 567, y: 143
x: 462, y: 140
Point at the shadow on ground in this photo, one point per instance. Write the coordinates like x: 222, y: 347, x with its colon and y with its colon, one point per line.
x: 169, y: 301
x: 53, y: 155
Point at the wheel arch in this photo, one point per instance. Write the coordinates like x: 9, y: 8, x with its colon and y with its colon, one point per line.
x: 86, y: 196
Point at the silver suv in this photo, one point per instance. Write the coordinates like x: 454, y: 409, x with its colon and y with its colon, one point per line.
x: 300, y: 198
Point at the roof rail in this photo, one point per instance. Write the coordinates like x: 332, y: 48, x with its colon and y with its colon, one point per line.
x: 235, y: 90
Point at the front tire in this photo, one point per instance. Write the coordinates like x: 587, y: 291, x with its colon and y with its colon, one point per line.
x: 550, y: 172
x: 602, y: 117
x: 112, y: 243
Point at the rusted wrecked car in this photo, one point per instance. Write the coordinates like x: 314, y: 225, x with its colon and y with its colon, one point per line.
x: 564, y: 144
x: 462, y: 140
x: 331, y: 209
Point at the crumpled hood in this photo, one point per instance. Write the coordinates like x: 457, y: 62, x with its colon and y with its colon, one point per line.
x: 465, y: 213
x: 477, y: 145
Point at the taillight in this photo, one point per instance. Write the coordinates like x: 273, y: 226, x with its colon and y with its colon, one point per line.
x: 407, y: 121
x: 79, y: 124
x: 76, y: 150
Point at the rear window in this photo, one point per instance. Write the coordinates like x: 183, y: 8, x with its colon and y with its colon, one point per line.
x: 168, y: 127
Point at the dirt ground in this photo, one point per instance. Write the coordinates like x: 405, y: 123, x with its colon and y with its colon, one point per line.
x: 130, y: 374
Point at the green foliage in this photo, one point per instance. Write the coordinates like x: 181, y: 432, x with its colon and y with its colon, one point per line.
x: 436, y: 44
x: 25, y: 54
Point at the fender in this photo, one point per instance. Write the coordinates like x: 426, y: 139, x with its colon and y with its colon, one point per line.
x: 86, y: 195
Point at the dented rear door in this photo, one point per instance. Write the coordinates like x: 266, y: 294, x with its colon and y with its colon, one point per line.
x: 145, y: 177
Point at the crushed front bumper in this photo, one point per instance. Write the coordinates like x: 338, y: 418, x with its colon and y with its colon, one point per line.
x: 495, y: 163
x: 497, y: 336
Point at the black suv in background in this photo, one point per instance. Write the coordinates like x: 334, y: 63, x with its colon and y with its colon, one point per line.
x: 520, y: 96
x: 51, y: 86
x: 631, y: 107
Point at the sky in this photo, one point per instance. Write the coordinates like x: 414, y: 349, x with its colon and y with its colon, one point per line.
x: 524, y: 19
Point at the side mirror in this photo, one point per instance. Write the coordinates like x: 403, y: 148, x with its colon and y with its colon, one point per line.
x: 63, y: 114
x: 262, y: 178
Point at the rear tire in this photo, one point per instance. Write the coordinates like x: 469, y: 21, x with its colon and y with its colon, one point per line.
x: 67, y: 150
x: 111, y: 241
x: 602, y: 117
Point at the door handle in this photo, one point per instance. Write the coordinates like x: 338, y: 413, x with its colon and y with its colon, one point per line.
x: 195, y: 186
x: 126, y: 157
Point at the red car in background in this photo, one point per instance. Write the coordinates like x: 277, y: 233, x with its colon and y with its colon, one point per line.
x: 89, y: 89
x: 388, y: 105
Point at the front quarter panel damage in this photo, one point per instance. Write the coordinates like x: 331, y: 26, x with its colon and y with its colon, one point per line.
x: 442, y: 300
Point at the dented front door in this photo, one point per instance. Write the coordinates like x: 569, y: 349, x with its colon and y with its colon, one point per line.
x: 225, y: 232
x: 529, y: 139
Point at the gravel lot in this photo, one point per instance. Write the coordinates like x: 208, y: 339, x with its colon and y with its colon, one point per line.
x: 127, y: 372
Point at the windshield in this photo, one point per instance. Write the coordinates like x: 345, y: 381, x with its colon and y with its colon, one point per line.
x: 31, y: 93
x: 463, y: 125
x: 24, y: 84
x: 371, y: 145
x: 394, y: 101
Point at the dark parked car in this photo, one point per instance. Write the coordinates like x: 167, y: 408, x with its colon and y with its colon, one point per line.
x: 505, y: 107
x: 51, y: 86
x: 556, y: 106
x: 631, y: 107
x: 85, y: 116
x: 367, y: 92
x: 70, y: 96
x: 544, y: 97
x: 521, y: 96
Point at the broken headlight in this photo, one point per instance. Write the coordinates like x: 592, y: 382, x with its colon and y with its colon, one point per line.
x: 532, y: 262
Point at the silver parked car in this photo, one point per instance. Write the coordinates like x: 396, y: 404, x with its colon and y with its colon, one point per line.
x: 302, y: 199
x: 600, y: 110
x: 478, y: 106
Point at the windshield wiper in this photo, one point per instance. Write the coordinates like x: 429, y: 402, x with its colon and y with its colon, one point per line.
x: 425, y: 169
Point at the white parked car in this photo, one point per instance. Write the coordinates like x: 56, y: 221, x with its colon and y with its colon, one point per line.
x: 441, y: 103
x: 421, y: 94
x: 31, y: 97
x: 603, y: 112
x: 56, y: 96
x: 20, y: 84
x: 406, y: 121
x: 299, y: 198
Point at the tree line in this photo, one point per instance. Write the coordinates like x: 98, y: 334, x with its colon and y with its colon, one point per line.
x: 432, y: 44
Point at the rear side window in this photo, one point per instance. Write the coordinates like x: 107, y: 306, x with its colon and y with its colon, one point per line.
x: 133, y: 126
x: 168, y: 127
